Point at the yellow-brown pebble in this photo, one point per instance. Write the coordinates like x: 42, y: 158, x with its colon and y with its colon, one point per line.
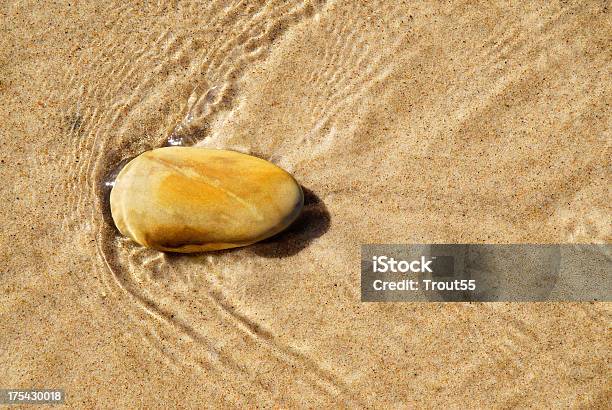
x: 188, y: 199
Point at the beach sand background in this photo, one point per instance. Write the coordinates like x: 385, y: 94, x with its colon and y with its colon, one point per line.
x: 407, y: 122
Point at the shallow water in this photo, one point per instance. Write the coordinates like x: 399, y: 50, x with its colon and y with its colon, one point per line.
x: 407, y: 123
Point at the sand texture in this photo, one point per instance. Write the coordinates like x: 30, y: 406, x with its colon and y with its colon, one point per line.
x: 405, y: 122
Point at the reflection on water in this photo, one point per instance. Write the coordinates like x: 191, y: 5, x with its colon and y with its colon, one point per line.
x: 104, y: 190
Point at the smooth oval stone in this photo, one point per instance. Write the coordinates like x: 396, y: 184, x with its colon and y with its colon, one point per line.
x: 188, y: 199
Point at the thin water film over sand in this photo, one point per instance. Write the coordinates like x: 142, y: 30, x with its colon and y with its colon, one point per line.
x: 421, y: 122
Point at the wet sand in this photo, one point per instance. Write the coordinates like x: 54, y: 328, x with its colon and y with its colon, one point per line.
x: 405, y: 123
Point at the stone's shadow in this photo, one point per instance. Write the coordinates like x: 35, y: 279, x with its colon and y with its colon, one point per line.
x: 312, y: 223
